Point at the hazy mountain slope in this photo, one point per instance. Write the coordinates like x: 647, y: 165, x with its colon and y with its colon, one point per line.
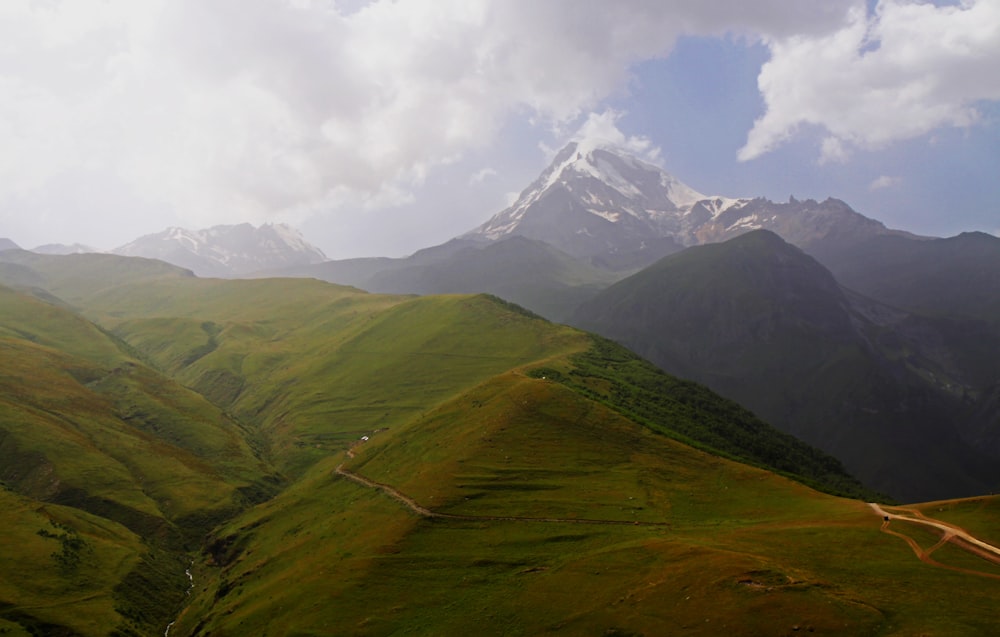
x: 226, y: 251
x: 62, y: 248
x: 76, y: 276
x: 762, y: 323
x: 85, y: 425
x: 527, y: 272
x: 954, y: 284
x: 359, y: 272
x: 354, y: 272
x: 7, y: 244
x: 958, y: 276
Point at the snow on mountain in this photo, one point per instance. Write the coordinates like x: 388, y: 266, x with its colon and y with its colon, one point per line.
x: 62, y: 249
x: 223, y: 251
x: 605, y: 198
x: 596, y: 199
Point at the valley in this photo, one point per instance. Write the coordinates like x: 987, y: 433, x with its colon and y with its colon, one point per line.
x: 408, y: 446
x: 499, y: 318
x: 517, y: 476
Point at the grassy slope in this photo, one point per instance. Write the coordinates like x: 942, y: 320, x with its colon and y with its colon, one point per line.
x: 60, y: 567
x: 465, y: 436
x: 311, y: 363
x: 750, y: 552
x: 440, y: 385
x: 85, y: 425
x: 74, y: 277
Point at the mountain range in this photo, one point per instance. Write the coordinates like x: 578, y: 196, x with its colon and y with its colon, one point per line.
x: 887, y: 391
x: 226, y: 251
x: 208, y: 456
x: 607, y: 214
x: 881, y: 337
x: 220, y: 251
x: 601, y: 204
x: 915, y: 317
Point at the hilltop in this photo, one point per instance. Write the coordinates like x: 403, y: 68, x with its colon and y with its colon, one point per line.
x: 374, y: 464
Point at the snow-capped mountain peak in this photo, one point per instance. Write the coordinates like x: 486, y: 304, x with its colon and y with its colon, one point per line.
x: 602, y: 190
x: 227, y: 250
x: 596, y: 199
x: 617, y: 169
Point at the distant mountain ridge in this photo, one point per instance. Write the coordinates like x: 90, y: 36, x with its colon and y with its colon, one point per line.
x: 596, y: 201
x: 954, y: 276
x: 761, y: 322
x: 62, y: 248
x: 227, y: 250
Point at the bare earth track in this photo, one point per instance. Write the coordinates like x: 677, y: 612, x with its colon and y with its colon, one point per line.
x: 949, y: 533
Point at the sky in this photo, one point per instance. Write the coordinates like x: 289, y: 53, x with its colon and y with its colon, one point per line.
x: 381, y: 127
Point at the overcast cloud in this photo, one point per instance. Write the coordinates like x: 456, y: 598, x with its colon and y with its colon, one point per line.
x: 219, y: 111
x: 898, y: 73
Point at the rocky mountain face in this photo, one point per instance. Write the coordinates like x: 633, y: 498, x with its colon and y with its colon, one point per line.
x: 225, y: 251
x: 600, y: 203
x: 592, y: 201
x: 892, y: 394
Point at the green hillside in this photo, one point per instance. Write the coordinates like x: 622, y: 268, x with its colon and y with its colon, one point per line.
x: 74, y: 277
x: 764, y: 324
x: 141, y: 466
x: 330, y: 462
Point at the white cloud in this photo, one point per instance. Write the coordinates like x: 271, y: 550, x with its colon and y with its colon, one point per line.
x: 249, y: 109
x: 601, y: 129
x: 833, y: 150
x: 907, y: 69
x: 884, y: 181
x: 482, y: 175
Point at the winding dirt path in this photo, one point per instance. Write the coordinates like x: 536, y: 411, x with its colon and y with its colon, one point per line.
x: 949, y: 533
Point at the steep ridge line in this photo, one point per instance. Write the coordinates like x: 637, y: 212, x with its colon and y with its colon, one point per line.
x: 950, y: 533
x: 422, y: 511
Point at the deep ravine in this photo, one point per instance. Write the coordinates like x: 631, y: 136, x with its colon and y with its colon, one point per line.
x: 187, y: 571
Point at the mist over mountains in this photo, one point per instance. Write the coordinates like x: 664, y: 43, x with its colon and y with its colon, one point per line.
x: 263, y: 440
x: 220, y: 251
x: 862, y: 337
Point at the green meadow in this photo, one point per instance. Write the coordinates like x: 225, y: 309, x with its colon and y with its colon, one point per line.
x: 153, y: 423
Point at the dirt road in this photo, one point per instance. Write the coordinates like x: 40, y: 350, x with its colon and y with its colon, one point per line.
x: 949, y: 533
